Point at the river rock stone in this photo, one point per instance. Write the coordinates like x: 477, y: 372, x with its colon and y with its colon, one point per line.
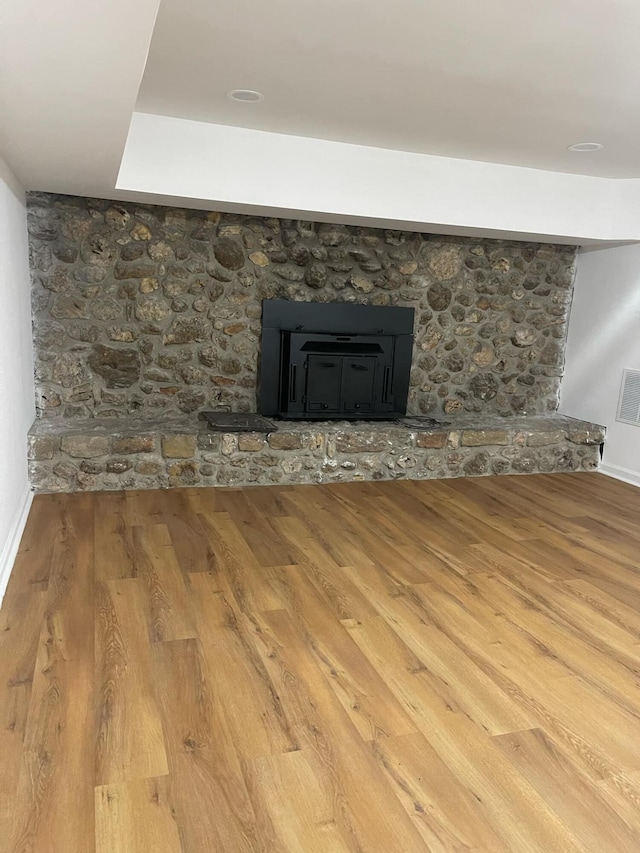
x: 228, y: 253
x: 284, y: 441
x: 445, y: 262
x: 178, y: 446
x: 484, y: 437
x: 186, y: 330
x: 120, y: 368
x: 124, y: 445
x: 85, y: 446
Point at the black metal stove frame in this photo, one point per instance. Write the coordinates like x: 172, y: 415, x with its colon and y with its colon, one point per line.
x: 326, y: 361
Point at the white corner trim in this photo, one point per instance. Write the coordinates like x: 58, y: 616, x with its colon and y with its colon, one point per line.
x: 10, y: 548
x: 618, y: 473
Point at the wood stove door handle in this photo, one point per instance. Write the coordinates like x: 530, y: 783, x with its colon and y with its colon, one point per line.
x: 385, y: 385
x: 293, y: 372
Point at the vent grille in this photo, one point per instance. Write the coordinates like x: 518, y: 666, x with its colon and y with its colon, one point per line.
x: 629, y: 402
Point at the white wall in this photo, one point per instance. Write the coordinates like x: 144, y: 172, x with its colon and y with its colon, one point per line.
x: 604, y: 338
x: 171, y: 160
x: 16, y: 369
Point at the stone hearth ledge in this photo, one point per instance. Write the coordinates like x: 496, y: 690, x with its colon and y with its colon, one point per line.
x: 100, y: 454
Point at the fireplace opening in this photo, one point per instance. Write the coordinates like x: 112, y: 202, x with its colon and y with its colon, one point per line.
x: 333, y: 360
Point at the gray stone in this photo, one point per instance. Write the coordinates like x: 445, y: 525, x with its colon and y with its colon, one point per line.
x: 178, y: 446
x: 284, y: 441
x: 98, y: 250
x: 185, y: 330
x: 125, y: 445
x: 524, y: 337
x: 445, y: 262
x: 316, y: 275
x: 69, y: 370
x: 190, y: 401
x: 42, y: 447
x: 228, y: 253
x: 183, y: 474
x: 85, y: 446
x: 120, y: 368
x: 68, y: 307
x: 484, y: 386
x: 543, y: 439
x: 118, y: 466
x: 48, y: 335
x: 105, y: 309
x: 361, y: 442
x: 484, y: 437
x: 439, y: 297
x: 152, y: 308
x: 477, y: 465
x: 251, y: 442
x: 580, y: 435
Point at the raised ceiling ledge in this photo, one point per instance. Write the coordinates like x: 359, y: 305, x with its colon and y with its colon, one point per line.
x: 195, y: 164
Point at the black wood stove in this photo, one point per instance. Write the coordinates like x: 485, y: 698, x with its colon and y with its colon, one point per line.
x: 321, y: 361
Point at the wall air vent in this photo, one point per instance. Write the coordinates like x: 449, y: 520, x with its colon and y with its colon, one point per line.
x: 629, y: 402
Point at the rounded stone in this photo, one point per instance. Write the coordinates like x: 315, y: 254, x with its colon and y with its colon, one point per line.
x: 69, y: 371
x: 439, y: 297
x: 152, y: 308
x: 445, y: 262
x: 117, y: 216
x: 228, y: 253
x: 105, y: 309
x: 98, y: 251
x: 483, y: 355
x: 524, y: 337
x: 141, y: 232
x: 316, y: 275
x: 160, y: 251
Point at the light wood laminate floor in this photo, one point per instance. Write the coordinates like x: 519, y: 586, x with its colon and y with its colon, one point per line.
x: 394, y: 667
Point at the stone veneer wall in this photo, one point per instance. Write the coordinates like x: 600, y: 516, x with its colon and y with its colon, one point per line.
x: 106, y: 454
x: 143, y: 311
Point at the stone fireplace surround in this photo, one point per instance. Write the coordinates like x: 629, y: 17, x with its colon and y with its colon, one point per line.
x: 143, y: 316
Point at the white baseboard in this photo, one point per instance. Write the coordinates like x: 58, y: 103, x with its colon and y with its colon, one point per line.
x: 10, y: 548
x: 624, y: 474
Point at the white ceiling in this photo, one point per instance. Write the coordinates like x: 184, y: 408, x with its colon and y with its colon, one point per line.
x: 491, y: 80
x: 460, y: 111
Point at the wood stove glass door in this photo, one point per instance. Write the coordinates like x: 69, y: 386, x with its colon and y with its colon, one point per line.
x: 324, y: 373
x: 358, y: 384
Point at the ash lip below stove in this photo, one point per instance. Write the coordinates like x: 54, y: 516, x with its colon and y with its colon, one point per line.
x: 237, y: 422
x: 324, y: 361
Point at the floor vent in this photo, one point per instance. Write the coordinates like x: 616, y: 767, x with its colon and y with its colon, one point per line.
x: 629, y: 402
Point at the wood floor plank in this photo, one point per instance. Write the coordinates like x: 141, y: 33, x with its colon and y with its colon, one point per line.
x: 189, y: 540
x: 340, y: 758
x: 33, y: 560
x: 54, y: 807
x: 113, y: 537
x: 253, y: 709
x: 300, y: 809
x: 365, y: 667
x: 167, y: 604
x: 365, y: 697
x: 129, y: 742
x: 448, y: 815
x: 136, y: 816
x: 526, y: 822
x: 204, y: 768
x: 578, y: 800
x: 20, y: 620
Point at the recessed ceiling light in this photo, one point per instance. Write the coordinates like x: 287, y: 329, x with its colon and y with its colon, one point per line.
x: 586, y: 146
x: 246, y: 96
